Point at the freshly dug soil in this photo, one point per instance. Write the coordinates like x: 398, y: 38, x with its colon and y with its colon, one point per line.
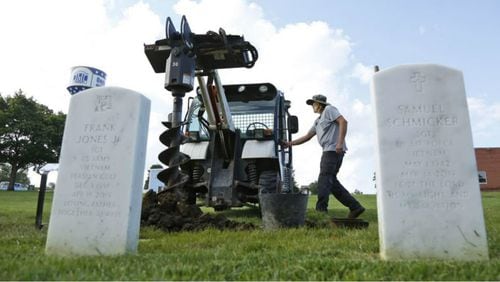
x: 166, y: 212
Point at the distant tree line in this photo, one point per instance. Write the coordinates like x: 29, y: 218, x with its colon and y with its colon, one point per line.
x: 313, y: 189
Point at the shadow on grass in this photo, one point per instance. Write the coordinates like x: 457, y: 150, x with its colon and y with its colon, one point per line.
x: 248, y: 211
x: 314, y: 219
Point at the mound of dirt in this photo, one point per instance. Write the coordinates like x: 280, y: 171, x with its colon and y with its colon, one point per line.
x: 166, y: 212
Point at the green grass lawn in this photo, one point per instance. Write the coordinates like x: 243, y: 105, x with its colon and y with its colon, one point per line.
x: 321, y: 253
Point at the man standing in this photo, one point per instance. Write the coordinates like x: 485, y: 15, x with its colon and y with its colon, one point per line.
x: 330, y: 128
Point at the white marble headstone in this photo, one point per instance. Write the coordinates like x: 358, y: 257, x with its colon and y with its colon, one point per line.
x: 428, y: 197
x: 97, y: 200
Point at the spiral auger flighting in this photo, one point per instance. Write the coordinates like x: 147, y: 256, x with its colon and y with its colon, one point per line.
x: 173, y: 177
x: 179, y: 69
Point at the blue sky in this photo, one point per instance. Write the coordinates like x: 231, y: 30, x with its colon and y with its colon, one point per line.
x: 457, y: 33
x: 306, y: 47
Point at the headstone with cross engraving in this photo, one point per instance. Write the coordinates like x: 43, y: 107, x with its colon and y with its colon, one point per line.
x: 97, y: 199
x: 428, y: 198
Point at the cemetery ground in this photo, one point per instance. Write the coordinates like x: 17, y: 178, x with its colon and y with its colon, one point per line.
x: 318, y: 252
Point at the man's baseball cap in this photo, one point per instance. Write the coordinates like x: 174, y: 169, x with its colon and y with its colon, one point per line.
x: 317, y: 98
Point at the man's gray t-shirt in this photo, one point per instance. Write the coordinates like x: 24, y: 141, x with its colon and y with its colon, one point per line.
x: 326, y: 129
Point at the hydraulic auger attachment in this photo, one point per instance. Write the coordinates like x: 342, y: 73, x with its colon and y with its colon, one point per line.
x: 179, y: 55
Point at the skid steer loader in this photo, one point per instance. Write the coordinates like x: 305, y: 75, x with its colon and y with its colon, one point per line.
x: 227, y: 148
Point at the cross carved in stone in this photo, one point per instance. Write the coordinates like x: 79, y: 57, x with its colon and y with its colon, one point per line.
x: 418, y: 79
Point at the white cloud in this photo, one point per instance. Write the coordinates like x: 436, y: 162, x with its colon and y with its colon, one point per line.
x: 363, y: 73
x: 38, y: 53
x: 484, y: 116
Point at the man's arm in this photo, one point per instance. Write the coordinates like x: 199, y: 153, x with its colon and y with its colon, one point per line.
x: 342, y: 123
x: 300, y: 140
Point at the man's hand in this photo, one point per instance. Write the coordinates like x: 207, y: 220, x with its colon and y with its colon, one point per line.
x: 339, y: 148
x: 286, y: 144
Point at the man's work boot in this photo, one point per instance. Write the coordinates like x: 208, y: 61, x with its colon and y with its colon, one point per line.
x: 355, y: 213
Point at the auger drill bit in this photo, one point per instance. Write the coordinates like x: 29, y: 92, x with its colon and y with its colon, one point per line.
x: 179, y: 79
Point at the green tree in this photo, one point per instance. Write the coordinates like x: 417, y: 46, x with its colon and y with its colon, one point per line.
x: 30, y: 133
x: 357, y: 192
x: 313, y: 188
x: 4, y: 172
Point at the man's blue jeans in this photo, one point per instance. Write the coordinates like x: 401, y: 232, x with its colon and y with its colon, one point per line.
x: 328, y: 183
